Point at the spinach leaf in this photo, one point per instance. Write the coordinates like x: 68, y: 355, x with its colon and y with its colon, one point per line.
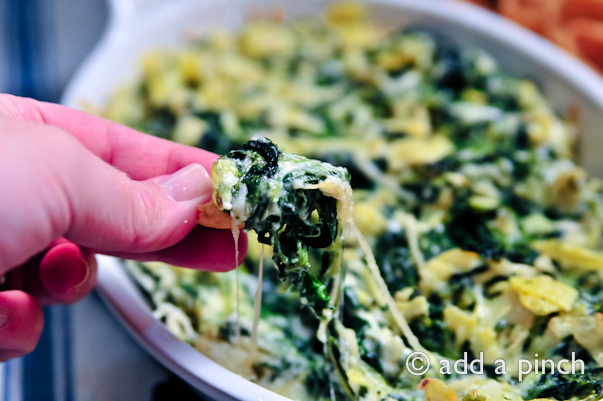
x: 564, y: 387
x: 277, y: 195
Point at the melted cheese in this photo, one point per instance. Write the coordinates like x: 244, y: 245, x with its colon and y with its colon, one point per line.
x: 235, y: 235
x: 257, y: 307
x: 391, y: 303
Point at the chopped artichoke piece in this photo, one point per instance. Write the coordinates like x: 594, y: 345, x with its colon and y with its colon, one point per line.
x: 570, y: 255
x: 542, y: 295
x: 411, y: 151
x: 436, y: 389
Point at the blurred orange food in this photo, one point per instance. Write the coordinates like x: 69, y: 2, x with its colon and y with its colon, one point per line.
x: 575, y: 25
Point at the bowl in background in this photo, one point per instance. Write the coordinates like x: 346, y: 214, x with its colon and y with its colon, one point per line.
x: 137, y: 26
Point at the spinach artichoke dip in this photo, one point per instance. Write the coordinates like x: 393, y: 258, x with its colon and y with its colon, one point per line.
x: 485, y: 232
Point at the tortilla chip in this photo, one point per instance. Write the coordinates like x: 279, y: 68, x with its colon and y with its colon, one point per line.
x: 211, y: 216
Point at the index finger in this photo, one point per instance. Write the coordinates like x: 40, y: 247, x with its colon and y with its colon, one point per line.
x: 139, y: 155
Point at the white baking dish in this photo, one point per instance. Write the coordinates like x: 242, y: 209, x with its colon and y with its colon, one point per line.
x: 139, y: 25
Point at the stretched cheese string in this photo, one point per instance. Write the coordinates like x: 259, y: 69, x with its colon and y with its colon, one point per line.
x: 400, y: 320
x: 374, y: 269
x: 257, y: 307
x: 235, y: 234
x: 342, y: 191
x: 341, y: 277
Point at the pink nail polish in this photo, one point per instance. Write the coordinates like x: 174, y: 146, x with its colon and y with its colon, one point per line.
x: 4, y: 315
x: 188, y: 183
x: 63, y: 268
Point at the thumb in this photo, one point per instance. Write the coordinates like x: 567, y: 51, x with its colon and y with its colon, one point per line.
x: 117, y: 214
x: 63, y: 190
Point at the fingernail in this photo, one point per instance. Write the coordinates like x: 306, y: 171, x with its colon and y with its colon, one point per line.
x: 3, y: 315
x: 188, y: 183
x: 63, y: 268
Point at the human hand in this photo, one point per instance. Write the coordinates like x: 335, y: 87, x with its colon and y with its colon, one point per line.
x: 73, y: 185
